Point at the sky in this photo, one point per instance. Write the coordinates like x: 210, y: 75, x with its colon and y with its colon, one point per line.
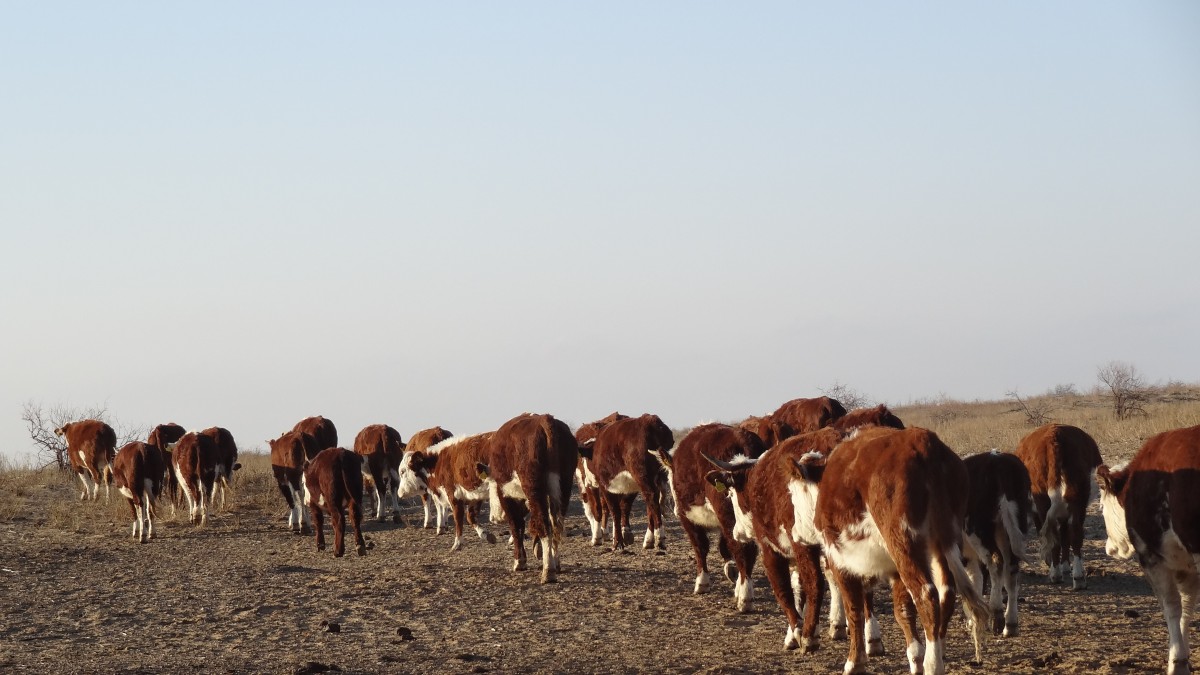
x: 419, y: 214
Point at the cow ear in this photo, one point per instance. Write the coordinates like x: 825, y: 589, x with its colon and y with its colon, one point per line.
x: 483, y: 470
x: 810, y: 471
x: 720, y: 480
x: 663, y: 456
x: 585, y: 449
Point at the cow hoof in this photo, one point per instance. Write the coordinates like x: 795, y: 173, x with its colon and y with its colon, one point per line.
x: 1010, y: 630
x: 1078, y: 584
x: 809, y: 645
x: 456, y: 546
x: 838, y: 633
x: 659, y: 551
x: 549, y: 578
x: 490, y: 538
x: 731, y: 572
x: 395, y: 518
x: 320, y: 547
x: 875, y: 647
x: 362, y: 550
x: 520, y: 566
x: 997, y: 623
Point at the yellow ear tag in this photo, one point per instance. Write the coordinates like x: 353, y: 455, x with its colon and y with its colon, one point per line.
x: 483, y: 475
x: 720, y: 486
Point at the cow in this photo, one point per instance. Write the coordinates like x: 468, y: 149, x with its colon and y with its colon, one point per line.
x: 164, y: 436
x: 1152, y: 510
x: 138, y: 472
x: 227, y: 454
x: 321, y: 429
x: 595, y: 506
x: 530, y: 462
x: 423, y: 440
x: 449, y: 473
x: 773, y: 499
x: 701, y: 507
x: 880, y: 416
x: 1061, y: 461
x: 998, y: 507
x: 625, y: 461
x: 898, y: 514
x: 771, y: 431
x: 333, y: 481
x: 91, y: 447
x: 194, y: 460
x: 808, y: 414
x: 289, y: 453
x: 380, y: 447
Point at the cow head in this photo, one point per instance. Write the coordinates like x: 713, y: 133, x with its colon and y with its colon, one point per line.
x: 1112, y: 487
x: 61, y: 430
x: 414, y: 473
x: 730, y: 479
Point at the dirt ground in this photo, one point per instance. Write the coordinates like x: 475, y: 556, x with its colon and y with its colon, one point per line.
x: 243, y: 595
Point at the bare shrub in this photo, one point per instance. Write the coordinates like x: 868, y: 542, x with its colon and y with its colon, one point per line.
x: 1063, y: 390
x: 1036, y: 411
x: 1126, y: 386
x: 848, y: 396
x: 50, y: 450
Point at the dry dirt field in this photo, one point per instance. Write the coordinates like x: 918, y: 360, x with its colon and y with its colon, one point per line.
x: 243, y: 595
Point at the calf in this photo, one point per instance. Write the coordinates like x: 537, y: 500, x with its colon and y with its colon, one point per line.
x: 449, y: 473
x: 892, y: 505
x: 289, y: 453
x: 333, y: 481
x: 1061, y: 461
x: 595, y: 506
x: 1152, y: 509
x: 530, y: 461
x: 321, y: 429
x: 769, y: 430
x: 164, y: 436
x: 998, y: 507
x: 880, y: 416
x: 227, y: 454
x: 701, y: 507
x: 808, y: 414
x: 138, y: 472
x: 773, y: 501
x: 381, y: 448
x: 194, y: 460
x: 423, y: 440
x: 624, y: 461
x: 91, y: 447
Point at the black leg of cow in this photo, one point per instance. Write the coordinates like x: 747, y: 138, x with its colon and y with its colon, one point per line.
x: 318, y: 519
x: 653, y: 519
x: 700, y: 545
x: 514, y: 511
x: 614, y: 507
x: 339, y: 531
x: 360, y: 544
x: 626, y: 509
x: 458, y: 511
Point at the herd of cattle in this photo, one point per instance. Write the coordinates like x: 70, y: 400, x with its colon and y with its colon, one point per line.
x: 830, y: 499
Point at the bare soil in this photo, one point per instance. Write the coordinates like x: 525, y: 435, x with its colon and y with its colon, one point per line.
x: 244, y: 595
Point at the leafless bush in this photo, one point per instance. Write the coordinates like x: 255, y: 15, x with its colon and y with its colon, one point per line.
x: 846, y: 395
x: 1063, y: 390
x: 42, y: 420
x: 1126, y: 386
x: 1036, y: 411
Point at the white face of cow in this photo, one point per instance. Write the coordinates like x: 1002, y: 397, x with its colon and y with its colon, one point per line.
x: 413, y: 480
x: 1118, y: 544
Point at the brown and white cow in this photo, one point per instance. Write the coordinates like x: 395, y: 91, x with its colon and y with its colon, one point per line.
x: 701, y: 507
x: 321, y: 429
x: 530, y: 462
x: 595, y: 506
x: 163, y: 437
x: 998, y: 508
x: 880, y: 416
x: 892, y: 505
x: 138, y: 472
x: 289, y: 453
x: 449, y: 473
x: 380, y: 447
x: 1061, y: 461
x: 808, y: 414
x: 773, y: 501
x: 1152, y: 509
x: 769, y: 430
x: 194, y: 461
x: 227, y: 455
x: 333, y: 481
x: 423, y: 440
x: 625, y: 462
x: 91, y: 447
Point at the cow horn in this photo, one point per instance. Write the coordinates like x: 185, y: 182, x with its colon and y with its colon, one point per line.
x: 724, y: 466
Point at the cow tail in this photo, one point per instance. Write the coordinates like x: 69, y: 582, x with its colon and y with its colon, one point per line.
x: 1014, y: 527
x: 974, y: 605
x: 352, y: 481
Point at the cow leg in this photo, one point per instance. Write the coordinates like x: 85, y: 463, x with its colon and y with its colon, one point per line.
x: 1074, y: 537
x: 744, y: 556
x: 339, y: 528
x: 808, y: 584
x: 459, y: 511
x: 360, y: 544
x: 653, y: 519
x: 1163, y: 580
x: 148, y: 510
x: 700, y: 545
x: 871, y: 633
x: 626, y: 509
x: 318, y: 519
x: 136, y: 507
x: 514, y: 511
x: 428, y: 511
x: 924, y: 595
x: 381, y: 490
x: 851, y: 588
x: 614, y: 507
x: 203, y: 501
x: 1010, y: 574
x: 473, y: 520
x: 85, y: 479
x: 837, y: 607
x: 775, y: 565
x: 906, y: 617
x: 591, y: 512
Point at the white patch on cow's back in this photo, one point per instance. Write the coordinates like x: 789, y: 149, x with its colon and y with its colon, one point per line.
x: 623, y: 484
x: 861, y: 550
x: 438, y: 447
x: 704, y: 516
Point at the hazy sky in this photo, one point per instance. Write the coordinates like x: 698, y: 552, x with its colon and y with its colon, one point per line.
x: 450, y: 213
